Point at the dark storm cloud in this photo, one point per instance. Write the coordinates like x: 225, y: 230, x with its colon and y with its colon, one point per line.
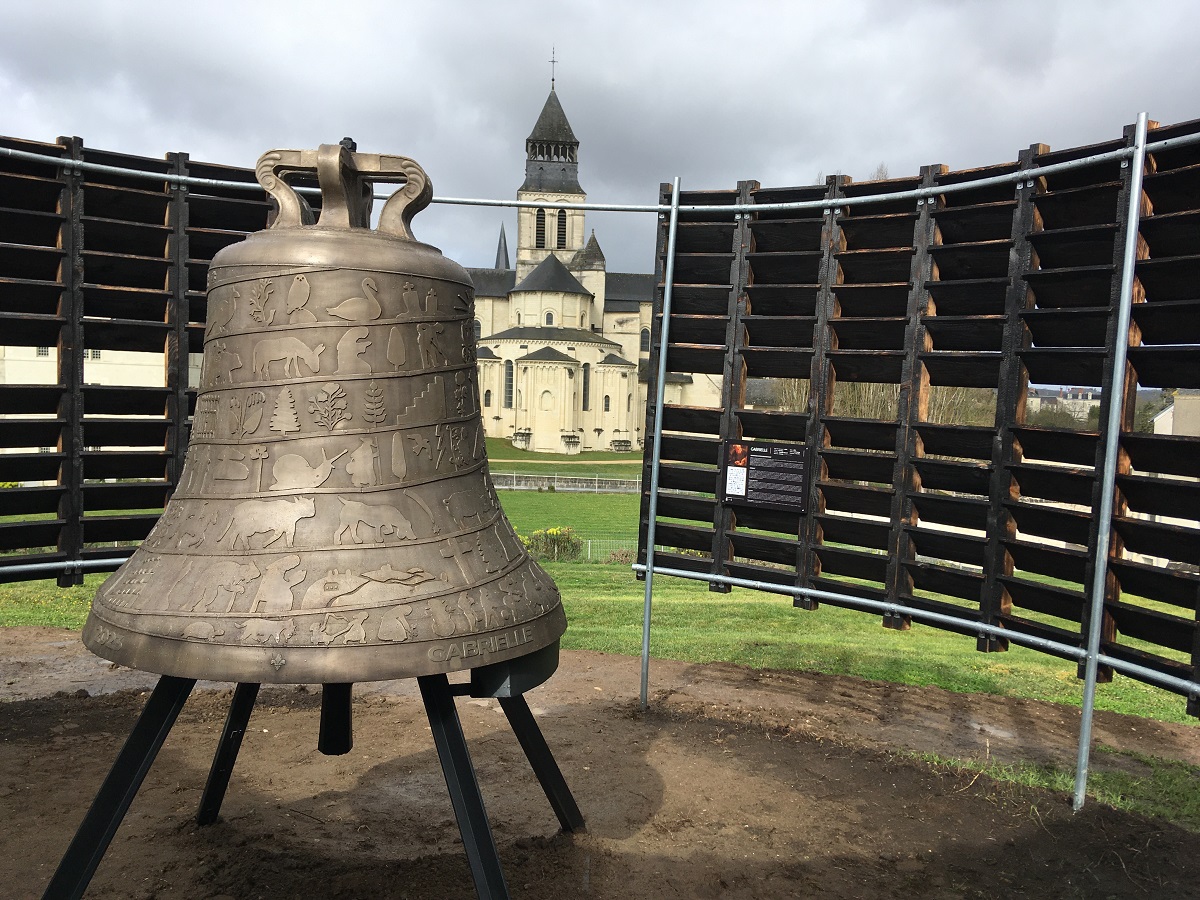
x: 711, y: 92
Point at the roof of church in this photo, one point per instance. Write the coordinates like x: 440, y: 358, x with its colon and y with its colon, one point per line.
x: 502, y: 250
x: 552, y: 124
x: 613, y: 360
x: 551, y: 275
x: 485, y: 353
x: 591, y: 256
x: 493, y: 282
x: 548, y: 354
x: 538, y: 334
x: 672, y: 377
x: 626, y: 291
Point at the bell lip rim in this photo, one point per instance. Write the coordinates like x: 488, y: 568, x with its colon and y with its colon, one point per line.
x: 195, y: 658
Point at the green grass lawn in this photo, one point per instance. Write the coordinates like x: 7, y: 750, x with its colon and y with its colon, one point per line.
x: 504, y: 457
x: 592, y: 515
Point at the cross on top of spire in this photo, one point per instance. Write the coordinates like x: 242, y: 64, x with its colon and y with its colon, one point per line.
x: 553, y: 62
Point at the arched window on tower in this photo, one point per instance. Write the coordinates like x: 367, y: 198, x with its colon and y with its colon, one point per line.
x: 539, y: 234
x: 607, y: 403
x: 562, y: 229
x: 508, y: 384
x: 549, y: 317
x: 587, y: 386
x: 487, y: 398
x: 645, y: 345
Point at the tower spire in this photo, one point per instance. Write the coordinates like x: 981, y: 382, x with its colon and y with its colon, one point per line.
x: 553, y: 62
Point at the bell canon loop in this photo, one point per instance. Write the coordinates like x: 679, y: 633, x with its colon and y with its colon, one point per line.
x: 335, y: 520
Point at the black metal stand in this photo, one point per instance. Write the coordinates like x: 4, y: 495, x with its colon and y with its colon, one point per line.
x: 123, y: 781
x: 119, y: 788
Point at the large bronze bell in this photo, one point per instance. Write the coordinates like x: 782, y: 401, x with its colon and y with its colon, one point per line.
x: 335, y: 520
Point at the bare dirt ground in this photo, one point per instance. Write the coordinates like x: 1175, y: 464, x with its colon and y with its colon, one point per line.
x: 736, y: 784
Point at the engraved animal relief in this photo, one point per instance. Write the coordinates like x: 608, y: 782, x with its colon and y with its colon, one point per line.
x: 246, y: 421
x: 229, y: 465
x: 349, y: 630
x: 297, y: 299
x: 292, y: 472
x: 284, y: 420
x: 363, y: 464
x: 381, y: 521
x: 383, y: 587
x: 211, y: 585
x: 419, y: 444
x: 329, y: 406
x: 202, y: 631
x: 225, y: 363
x: 447, y: 618
x: 274, y: 594
x: 409, y: 296
x: 427, y: 343
x: 275, y: 518
x: 396, y: 625
x: 397, y: 354
x: 196, y: 527
x: 463, y: 505
x: 220, y: 312
x: 291, y: 352
x: 350, y: 348
x: 374, y: 409
x: 259, y: 295
x: 495, y: 613
x: 265, y: 631
x: 359, y: 309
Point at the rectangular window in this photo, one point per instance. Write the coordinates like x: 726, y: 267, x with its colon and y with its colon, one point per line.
x: 43, y: 351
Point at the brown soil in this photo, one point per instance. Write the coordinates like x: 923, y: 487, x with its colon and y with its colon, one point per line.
x: 737, y: 783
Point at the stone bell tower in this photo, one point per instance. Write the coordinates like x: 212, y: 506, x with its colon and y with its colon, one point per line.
x: 551, y: 175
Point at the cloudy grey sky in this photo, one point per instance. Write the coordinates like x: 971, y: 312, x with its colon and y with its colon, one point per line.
x: 712, y: 92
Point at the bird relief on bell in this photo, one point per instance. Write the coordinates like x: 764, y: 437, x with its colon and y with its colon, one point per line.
x: 335, y: 519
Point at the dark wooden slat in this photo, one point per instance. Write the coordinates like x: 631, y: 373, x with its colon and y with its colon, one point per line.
x: 1055, y: 562
x: 1161, y: 496
x: 1161, y: 539
x: 1157, y: 583
x: 695, y: 419
x: 981, y: 259
x: 881, y: 232
x: 765, y: 549
x: 783, y: 299
x: 870, y: 333
x: 872, y: 299
x: 1044, y: 598
x: 867, y: 365
x: 1154, y: 627
x: 849, y: 465
x: 949, y: 580
x: 691, y: 449
x: 697, y: 509
x: 18, y: 536
x: 1078, y: 327
x: 705, y: 359
x: 1172, y: 234
x: 785, y: 268
x: 687, y: 478
x: 857, y: 498
x: 1051, y: 522
x: 962, y: 512
x: 1090, y: 245
x: 786, y: 235
x: 702, y: 268
x: 852, y: 563
x: 861, y: 434
x: 1079, y: 286
x: 779, y: 331
x: 970, y: 441
x: 977, y: 222
x: 855, y: 531
x: 968, y: 297
x: 1057, y: 444
x: 1173, y: 322
x: 1165, y: 454
x: 770, y: 362
x: 1065, y: 365
x: 1167, y: 367
x: 947, y: 545
x: 943, y: 475
x: 1094, y: 204
x: 773, y: 426
x: 958, y: 368
x: 1059, y: 484
x: 874, y: 266
x: 964, y: 332
x: 102, y: 529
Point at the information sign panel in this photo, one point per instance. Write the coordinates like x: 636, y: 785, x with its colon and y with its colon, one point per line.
x: 769, y: 476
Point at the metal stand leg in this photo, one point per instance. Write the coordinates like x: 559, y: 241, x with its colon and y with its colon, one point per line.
x: 227, y: 751
x: 337, y: 727
x: 528, y: 734
x: 119, y: 788
x: 464, y: 789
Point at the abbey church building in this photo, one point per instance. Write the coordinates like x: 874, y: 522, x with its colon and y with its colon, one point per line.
x: 560, y: 337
